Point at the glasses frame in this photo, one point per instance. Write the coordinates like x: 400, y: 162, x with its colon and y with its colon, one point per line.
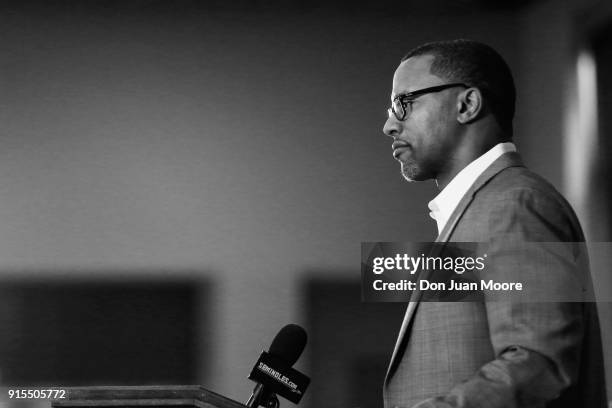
x: 401, y: 101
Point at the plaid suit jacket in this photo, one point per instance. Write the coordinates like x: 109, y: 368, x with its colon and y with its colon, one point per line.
x: 502, y: 354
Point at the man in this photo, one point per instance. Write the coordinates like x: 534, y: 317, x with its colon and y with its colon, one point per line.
x: 451, y: 120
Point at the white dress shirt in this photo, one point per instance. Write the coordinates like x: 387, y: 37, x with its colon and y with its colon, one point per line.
x: 443, y: 205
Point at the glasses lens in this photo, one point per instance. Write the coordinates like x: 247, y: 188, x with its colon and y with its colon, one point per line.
x: 398, y: 109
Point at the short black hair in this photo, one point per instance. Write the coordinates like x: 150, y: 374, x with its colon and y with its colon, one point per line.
x: 478, y: 65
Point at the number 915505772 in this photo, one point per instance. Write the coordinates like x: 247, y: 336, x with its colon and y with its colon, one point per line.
x: 43, y: 393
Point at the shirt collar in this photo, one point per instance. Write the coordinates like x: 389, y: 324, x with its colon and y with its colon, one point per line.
x: 443, y: 205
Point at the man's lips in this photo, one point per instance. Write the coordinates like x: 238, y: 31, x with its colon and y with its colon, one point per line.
x: 399, y: 147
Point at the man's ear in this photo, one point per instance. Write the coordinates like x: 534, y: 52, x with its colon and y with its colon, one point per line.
x: 469, y: 105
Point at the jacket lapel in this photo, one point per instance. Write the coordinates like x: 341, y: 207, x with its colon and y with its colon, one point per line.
x: 506, y: 160
x: 511, y: 159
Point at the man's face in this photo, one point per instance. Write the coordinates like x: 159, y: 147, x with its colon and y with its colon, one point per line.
x: 424, y: 141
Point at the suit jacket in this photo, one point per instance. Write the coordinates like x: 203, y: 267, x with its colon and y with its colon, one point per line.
x: 505, y: 353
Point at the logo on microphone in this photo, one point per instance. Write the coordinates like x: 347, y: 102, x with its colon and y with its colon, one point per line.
x: 279, y: 377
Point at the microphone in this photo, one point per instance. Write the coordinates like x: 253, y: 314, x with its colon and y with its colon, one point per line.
x: 289, y: 343
x: 273, y: 372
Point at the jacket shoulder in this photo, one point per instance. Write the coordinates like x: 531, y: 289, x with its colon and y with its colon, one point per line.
x: 521, y: 199
x: 520, y: 183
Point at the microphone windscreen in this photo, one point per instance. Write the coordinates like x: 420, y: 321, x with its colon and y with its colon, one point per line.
x: 289, y: 343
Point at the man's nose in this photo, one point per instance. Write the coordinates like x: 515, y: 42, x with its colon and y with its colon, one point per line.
x: 391, y: 127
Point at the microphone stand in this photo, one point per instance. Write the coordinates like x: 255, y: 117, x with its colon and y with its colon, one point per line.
x: 263, y: 398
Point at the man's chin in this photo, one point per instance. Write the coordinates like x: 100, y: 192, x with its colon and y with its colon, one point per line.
x: 408, y: 178
x: 412, y: 173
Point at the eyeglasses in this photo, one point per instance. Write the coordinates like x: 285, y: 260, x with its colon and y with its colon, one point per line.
x: 401, y: 106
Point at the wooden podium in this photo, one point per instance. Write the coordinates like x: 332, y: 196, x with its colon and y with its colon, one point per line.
x: 178, y: 396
